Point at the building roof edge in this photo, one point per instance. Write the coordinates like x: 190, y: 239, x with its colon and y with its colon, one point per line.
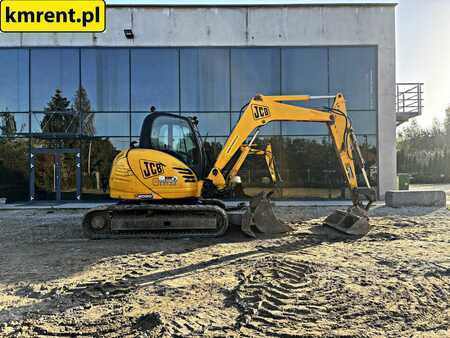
x: 249, y: 3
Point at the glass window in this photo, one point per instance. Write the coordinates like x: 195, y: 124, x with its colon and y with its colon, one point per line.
x: 105, y: 77
x: 174, y: 135
x: 137, y: 119
x: 304, y: 128
x: 368, y: 145
x: 92, y: 124
x: 52, y: 70
x: 254, y: 172
x: 253, y: 71
x: 154, y: 79
x: 119, y: 143
x: 14, y: 80
x: 353, y: 71
x: 308, y: 169
x: 106, y: 124
x: 55, y: 123
x: 305, y: 72
x: 213, y: 146
x: 212, y: 124
x: 97, y: 155
x: 205, y: 79
x: 364, y: 122
x: 14, y: 168
x: 13, y: 123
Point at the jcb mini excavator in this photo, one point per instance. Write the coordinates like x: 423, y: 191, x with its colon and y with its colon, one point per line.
x: 164, y: 186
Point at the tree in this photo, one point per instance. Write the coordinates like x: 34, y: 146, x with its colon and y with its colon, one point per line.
x: 8, y: 124
x: 59, y: 118
x: 447, y: 126
x: 14, y: 168
x: 425, y: 153
x: 82, y: 106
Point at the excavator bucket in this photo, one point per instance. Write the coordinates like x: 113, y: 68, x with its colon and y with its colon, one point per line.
x: 264, y: 218
x: 354, y: 221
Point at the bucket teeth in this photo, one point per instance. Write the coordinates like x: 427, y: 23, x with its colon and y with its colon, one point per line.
x: 247, y: 229
x: 246, y: 223
x: 264, y: 218
x: 353, y: 222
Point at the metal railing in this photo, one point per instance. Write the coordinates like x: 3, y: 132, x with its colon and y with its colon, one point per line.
x: 409, y: 101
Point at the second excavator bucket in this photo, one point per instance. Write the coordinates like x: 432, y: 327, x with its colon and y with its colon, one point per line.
x: 354, y: 221
x: 264, y: 218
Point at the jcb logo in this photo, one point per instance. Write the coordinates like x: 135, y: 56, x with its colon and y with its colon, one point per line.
x: 150, y: 168
x: 260, y: 112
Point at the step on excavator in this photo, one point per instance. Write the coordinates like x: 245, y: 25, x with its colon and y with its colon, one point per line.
x: 167, y: 187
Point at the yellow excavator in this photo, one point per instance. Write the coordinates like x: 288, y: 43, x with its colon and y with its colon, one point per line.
x: 167, y: 187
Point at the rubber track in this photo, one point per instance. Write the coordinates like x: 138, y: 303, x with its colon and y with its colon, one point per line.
x: 185, y: 209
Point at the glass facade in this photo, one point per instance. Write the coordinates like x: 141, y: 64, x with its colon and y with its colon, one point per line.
x: 95, y: 99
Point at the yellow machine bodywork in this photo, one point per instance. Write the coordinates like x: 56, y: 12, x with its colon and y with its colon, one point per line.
x: 147, y: 174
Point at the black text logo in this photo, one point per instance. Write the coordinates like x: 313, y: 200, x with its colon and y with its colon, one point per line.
x: 150, y: 168
x: 260, y: 112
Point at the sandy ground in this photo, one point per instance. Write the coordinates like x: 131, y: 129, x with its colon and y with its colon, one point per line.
x: 312, y: 282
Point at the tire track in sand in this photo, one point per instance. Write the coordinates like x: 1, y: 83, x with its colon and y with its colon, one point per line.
x: 285, y: 297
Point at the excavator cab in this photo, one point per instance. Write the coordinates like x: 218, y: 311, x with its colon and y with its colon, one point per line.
x: 177, y: 136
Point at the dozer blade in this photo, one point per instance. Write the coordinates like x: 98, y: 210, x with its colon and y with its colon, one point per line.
x: 264, y: 217
x: 353, y: 222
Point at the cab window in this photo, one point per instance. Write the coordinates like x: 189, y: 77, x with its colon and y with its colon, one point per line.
x: 174, y: 135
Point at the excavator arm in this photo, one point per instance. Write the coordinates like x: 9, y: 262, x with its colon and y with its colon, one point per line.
x: 251, y: 149
x: 262, y: 110
x: 270, y: 161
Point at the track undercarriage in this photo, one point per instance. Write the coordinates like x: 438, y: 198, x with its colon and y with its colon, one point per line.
x: 204, y: 218
x: 198, y: 218
x: 155, y: 221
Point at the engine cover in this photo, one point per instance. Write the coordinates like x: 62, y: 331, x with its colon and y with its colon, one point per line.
x: 146, y: 174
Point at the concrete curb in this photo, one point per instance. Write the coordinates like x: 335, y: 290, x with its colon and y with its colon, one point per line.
x: 424, y: 198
